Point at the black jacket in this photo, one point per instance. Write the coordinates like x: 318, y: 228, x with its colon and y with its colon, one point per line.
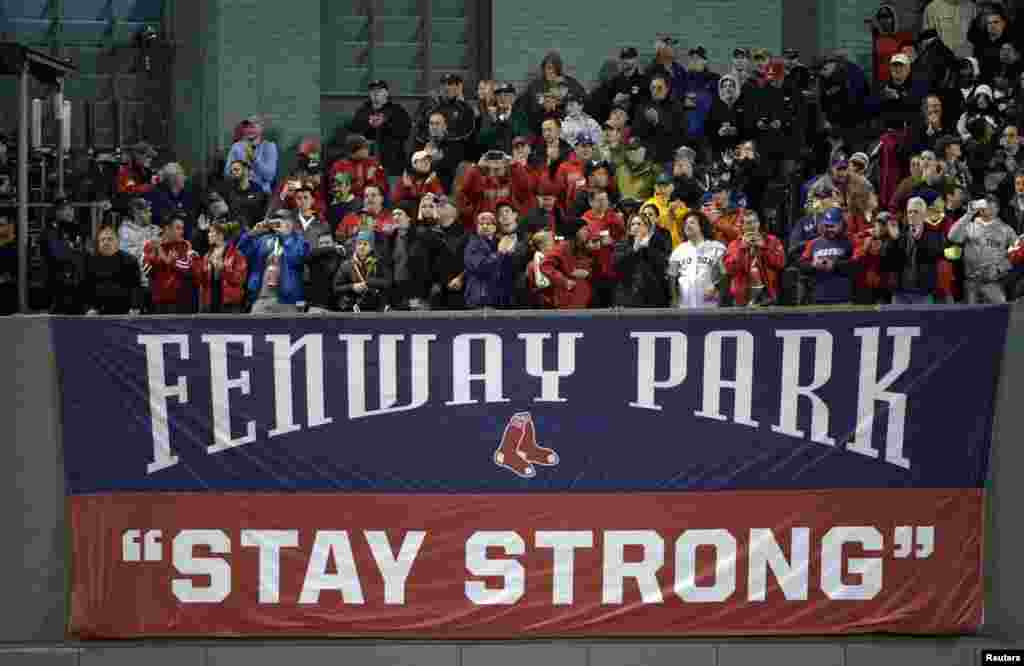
x: 64, y: 257
x: 718, y: 116
x: 642, y: 274
x: 662, y: 138
x: 111, y: 285
x: 390, y: 136
x: 373, y: 299
x: 914, y: 271
x: 323, y: 265
x: 601, y: 101
x: 249, y: 207
x: 422, y: 249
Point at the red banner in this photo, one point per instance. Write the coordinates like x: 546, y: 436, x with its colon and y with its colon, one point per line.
x: 527, y: 565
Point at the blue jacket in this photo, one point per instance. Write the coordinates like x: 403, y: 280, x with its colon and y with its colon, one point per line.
x: 489, y: 278
x: 258, y: 248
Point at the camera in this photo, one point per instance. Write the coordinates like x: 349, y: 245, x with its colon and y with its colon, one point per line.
x: 494, y: 156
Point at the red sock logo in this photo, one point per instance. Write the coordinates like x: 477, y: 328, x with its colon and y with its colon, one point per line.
x: 518, y: 450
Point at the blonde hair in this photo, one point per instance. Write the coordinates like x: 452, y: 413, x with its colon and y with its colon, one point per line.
x: 541, y: 239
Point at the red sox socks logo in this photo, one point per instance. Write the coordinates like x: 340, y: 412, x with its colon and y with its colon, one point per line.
x: 518, y: 451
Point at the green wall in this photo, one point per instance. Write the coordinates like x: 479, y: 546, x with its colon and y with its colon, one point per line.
x: 588, y: 35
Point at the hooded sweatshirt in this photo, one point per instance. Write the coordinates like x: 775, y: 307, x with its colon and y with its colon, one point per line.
x: 985, y: 245
x: 725, y: 109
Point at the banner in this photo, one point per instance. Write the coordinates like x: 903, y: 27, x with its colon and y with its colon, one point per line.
x: 535, y: 476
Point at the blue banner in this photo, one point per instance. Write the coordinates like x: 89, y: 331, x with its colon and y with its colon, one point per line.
x: 613, y: 403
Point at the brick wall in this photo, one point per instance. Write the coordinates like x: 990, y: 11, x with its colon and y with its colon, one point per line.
x: 270, y: 64
x: 588, y: 35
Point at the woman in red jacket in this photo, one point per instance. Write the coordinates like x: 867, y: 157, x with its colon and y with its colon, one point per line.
x: 168, y: 262
x: 220, y: 275
x: 421, y: 180
x: 754, y: 262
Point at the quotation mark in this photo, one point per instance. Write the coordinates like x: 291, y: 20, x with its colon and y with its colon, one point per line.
x: 139, y: 546
x: 906, y: 537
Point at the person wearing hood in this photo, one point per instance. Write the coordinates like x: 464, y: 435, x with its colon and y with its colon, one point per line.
x: 628, y: 87
x: 641, y: 265
x: 887, y: 38
x: 386, y: 125
x: 362, y: 282
x: 951, y: 19
x: 727, y: 117
x: 829, y: 259
x: 636, y: 176
x: 658, y: 123
x: 986, y: 239
x: 980, y: 120
x: 988, y: 34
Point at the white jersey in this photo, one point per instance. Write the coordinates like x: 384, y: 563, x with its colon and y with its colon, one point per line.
x: 697, y: 268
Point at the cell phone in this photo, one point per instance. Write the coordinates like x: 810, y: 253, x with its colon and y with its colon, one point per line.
x: 494, y: 155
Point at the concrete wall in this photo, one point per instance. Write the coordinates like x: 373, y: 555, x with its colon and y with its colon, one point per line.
x: 33, y: 570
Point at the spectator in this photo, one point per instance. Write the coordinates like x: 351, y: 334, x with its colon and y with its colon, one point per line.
x: 637, y: 175
x: 578, y: 124
x: 988, y: 35
x: 362, y: 282
x: 671, y: 212
x: 111, y: 282
x: 415, y: 249
x: 247, y: 202
x: 666, y: 67
x: 641, y: 264
x: 220, y: 274
x: 499, y: 131
x: 446, y: 153
x: 217, y: 212
x: 628, y: 87
x: 171, y: 198
x: 509, y: 227
x: 949, y: 150
x: 276, y: 253
x: 979, y: 121
x: 935, y: 67
x: 911, y: 256
x: 372, y: 206
x: 986, y: 240
x: 696, y: 267
x: 726, y: 118
x: 133, y: 235
x: 309, y: 223
x: 136, y: 177
x: 951, y: 19
x: 754, y: 262
x: 741, y: 68
x: 363, y: 169
x: 886, y: 37
x: 343, y: 202
x: 63, y: 248
x: 169, y: 263
x: 459, y: 118
x: 260, y: 155
x: 494, y: 178
x: 489, y: 279
x: 323, y: 262
x: 829, y: 258
x: 387, y: 127
x: 1015, y: 206
x: 568, y: 266
x: 422, y: 179
x: 451, y: 257
x: 598, y: 176
x: 898, y: 102
x: 8, y: 265
x: 659, y: 122
x: 571, y: 174
x: 552, y: 79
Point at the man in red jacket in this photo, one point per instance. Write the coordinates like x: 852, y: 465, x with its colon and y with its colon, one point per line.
x: 365, y: 170
x: 494, y: 178
x: 754, y: 262
x: 168, y: 262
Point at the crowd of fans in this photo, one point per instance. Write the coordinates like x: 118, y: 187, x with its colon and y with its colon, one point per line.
x: 666, y: 184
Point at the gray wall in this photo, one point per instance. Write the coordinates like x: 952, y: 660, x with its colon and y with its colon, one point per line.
x: 33, y: 569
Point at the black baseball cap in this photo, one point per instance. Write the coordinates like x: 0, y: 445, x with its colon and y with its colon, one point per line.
x: 505, y: 88
x: 628, y: 53
x: 451, y: 78
x: 377, y: 84
x: 740, y: 52
x: 699, y: 51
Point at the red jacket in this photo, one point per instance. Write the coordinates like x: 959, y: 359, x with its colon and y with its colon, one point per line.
x: 131, y: 180
x: 232, y: 277
x: 361, y: 174
x: 417, y: 189
x: 481, y: 193
x: 558, y: 266
x: 616, y: 228
x: 570, y: 177
x: 867, y: 256
x: 350, y: 223
x: 169, y: 278
x: 737, y: 263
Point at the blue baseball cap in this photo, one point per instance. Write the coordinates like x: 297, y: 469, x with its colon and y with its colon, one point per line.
x: 833, y: 217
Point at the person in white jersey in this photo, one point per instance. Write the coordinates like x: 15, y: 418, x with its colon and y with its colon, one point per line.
x: 696, y: 267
